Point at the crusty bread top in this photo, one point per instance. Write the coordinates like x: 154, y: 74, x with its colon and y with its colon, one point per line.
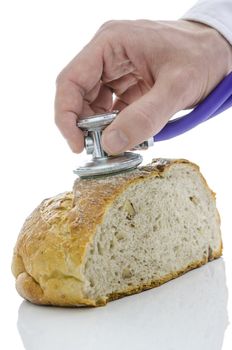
x: 69, y: 220
x: 52, y: 246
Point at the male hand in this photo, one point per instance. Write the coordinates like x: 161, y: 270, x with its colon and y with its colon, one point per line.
x: 154, y: 69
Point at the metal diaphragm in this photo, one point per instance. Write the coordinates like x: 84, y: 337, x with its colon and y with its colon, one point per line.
x: 109, y: 165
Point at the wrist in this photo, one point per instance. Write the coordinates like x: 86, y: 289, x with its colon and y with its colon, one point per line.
x: 220, y: 47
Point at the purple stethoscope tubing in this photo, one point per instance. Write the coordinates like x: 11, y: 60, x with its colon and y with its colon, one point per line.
x: 215, y: 103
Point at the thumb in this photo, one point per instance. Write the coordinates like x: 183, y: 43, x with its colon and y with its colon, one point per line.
x: 146, y: 116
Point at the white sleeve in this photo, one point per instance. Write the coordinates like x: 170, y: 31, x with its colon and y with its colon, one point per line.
x: 215, y: 13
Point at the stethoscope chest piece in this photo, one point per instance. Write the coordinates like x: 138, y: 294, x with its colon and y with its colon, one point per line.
x: 109, y: 165
x: 218, y: 101
x: 101, y: 163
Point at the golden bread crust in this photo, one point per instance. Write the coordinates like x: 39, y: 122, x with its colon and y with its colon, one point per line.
x: 52, y: 244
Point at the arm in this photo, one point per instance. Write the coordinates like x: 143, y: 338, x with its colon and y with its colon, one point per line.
x: 215, y: 13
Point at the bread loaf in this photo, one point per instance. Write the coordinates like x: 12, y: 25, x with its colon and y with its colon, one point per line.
x: 117, y: 235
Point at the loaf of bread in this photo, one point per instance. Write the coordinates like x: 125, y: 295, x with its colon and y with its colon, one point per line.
x: 113, y: 236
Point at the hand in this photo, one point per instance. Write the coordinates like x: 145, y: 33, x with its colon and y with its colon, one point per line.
x: 154, y: 69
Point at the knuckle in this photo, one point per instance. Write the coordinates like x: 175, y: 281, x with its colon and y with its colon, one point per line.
x: 112, y: 29
x: 60, y: 78
x: 109, y: 25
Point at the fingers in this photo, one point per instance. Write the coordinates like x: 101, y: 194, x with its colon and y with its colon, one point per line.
x: 146, y: 116
x: 68, y: 104
x: 119, y: 105
x: 104, y: 100
x: 77, y: 86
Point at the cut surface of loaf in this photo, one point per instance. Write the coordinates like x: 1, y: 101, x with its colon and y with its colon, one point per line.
x: 117, y: 235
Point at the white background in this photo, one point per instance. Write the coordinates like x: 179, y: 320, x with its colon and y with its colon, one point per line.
x: 37, y: 38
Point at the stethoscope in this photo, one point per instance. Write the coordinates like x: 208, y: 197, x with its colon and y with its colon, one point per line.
x: 215, y: 103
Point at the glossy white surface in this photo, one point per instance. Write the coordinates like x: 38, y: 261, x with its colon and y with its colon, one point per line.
x: 192, y: 312
x: 178, y: 315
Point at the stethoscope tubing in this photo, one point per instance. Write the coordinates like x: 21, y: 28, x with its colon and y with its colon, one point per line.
x: 215, y: 103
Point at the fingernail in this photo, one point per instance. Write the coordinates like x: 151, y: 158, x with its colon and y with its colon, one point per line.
x: 115, y: 141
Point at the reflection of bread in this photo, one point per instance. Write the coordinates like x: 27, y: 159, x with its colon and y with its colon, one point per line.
x: 192, y: 311
x: 117, y: 235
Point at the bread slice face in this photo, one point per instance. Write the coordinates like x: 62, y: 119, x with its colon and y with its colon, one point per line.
x: 117, y: 235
